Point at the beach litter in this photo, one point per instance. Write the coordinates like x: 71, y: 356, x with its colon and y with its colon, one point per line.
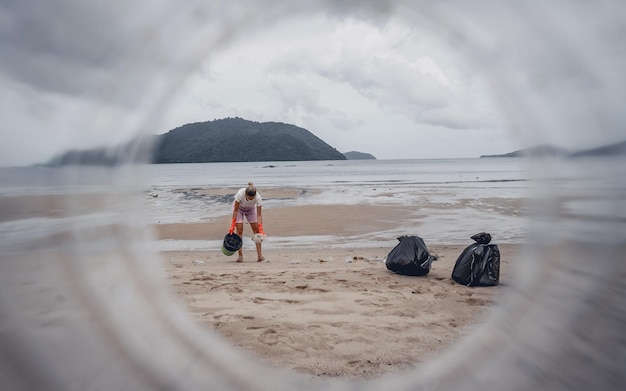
x: 259, y: 238
x: 409, y: 257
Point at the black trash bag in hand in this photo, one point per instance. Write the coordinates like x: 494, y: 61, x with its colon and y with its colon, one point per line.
x: 410, y: 257
x: 479, y: 263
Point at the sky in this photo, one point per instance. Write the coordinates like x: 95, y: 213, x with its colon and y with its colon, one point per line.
x: 390, y: 78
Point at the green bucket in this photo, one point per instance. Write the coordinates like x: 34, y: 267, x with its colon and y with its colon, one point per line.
x: 227, y: 252
x: 232, y: 243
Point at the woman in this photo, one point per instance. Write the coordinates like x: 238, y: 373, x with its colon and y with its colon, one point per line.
x: 248, y: 203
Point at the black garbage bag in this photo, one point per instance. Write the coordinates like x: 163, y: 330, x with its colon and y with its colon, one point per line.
x: 482, y: 238
x: 410, y: 257
x: 479, y: 263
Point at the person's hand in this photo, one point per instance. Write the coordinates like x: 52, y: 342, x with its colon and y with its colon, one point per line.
x: 261, y: 229
x: 232, y: 226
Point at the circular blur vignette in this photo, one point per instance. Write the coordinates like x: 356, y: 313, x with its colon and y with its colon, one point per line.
x: 83, y: 304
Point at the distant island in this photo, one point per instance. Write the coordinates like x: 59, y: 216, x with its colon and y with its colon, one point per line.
x: 240, y: 140
x: 551, y: 151
x: 542, y: 150
x: 222, y: 140
x: 607, y: 150
x: 355, y: 155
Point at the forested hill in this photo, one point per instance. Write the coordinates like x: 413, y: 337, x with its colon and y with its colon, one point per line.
x: 547, y: 150
x: 356, y: 155
x: 239, y: 140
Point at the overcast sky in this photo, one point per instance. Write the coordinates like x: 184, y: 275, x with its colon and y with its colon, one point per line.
x: 441, y: 81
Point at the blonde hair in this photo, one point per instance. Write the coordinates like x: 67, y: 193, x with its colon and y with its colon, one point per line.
x: 251, y: 189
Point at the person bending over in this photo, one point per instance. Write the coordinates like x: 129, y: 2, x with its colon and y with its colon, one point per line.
x: 248, y: 203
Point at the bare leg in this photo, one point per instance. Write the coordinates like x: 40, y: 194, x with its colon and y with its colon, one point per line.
x: 259, y: 251
x: 240, y: 233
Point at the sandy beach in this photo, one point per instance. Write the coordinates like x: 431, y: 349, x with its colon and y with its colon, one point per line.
x: 327, y: 311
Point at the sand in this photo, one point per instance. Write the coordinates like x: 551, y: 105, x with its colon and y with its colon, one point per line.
x: 334, y: 312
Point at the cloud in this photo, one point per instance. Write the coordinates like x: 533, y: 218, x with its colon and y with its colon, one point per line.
x: 555, y: 78
x: 369, y: 74
x: 385, y: 67
x: 65, y: 47
x: 76, y: 74
x: 298, y: 92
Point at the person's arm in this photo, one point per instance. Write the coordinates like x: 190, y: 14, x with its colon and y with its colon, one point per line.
x: 234, y: 220
x: 259, y: 216
x: 236, y: 209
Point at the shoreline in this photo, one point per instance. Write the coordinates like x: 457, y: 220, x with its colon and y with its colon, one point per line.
x: 323, y: 303
x: 332, y: 226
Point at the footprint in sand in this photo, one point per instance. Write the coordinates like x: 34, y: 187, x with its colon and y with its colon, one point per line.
x: 477, y: 302
x: 322, y: 290
x: 202, y: 278
x: 421, y: 290
x: 269, y: 337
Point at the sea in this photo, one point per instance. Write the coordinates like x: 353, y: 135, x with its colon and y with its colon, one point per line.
x: 567, y: 199
x: 455, y: 198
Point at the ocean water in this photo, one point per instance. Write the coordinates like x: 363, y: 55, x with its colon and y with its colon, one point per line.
x: 456, y: 198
